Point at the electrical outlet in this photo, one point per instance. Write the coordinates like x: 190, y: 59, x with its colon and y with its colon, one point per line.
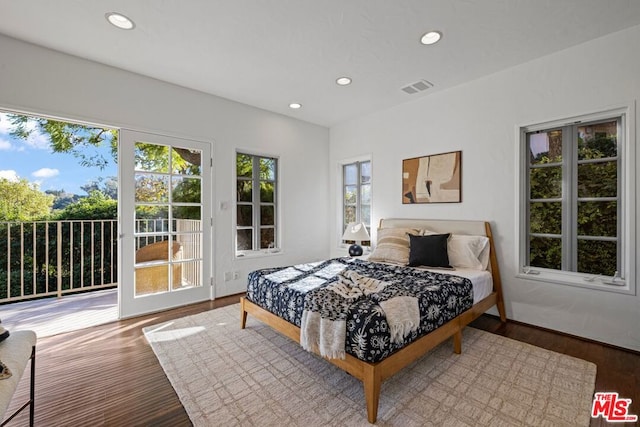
x: 236, y: 275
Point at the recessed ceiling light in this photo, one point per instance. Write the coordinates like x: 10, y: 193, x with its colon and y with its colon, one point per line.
x: 295, y: 105
x: 431, y: 37
x: 120, y: 21
x: 343, y: 81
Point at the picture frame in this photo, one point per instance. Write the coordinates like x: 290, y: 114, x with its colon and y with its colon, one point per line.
x: 435, y: 178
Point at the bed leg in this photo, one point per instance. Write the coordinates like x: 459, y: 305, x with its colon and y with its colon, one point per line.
x: 371, y: 384
x: 243, y: 314
x: 502, y: 312
x: 457, y: 342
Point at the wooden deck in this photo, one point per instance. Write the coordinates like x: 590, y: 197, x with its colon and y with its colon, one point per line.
x: 52, y: 316
x: 108, y: 375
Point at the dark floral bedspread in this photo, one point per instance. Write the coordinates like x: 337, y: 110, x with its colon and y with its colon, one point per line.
x: 441, y: 297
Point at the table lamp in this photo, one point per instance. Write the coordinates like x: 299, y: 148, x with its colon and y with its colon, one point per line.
x: 357, y: 233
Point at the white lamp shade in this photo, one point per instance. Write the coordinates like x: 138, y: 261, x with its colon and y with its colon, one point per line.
x: 357, y: 232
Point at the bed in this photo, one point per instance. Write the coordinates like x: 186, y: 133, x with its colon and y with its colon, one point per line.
x: 275, y: 296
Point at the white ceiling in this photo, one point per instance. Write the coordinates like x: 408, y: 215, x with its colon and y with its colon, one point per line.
x: 269, y: 53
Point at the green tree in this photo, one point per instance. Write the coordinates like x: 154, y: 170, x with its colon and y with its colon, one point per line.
x: 75, y: 138
x: 67, y: 137
x: 108, y: 186
x: 62, y: 199
x: 96, y: 206
x: 23, y: 201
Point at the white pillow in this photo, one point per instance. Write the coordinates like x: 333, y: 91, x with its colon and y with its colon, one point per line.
x: 467, y: 251
x: 484, y: 255
x: 464, y: 251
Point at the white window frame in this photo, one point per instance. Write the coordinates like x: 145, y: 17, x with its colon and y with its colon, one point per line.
x: 340, y: 204
x: 277, y: 249
x: 626, y: 194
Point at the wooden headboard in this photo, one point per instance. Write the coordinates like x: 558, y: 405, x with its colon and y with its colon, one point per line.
x: 475, y: 228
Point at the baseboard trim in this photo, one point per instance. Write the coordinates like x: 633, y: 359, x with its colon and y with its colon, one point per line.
x: 565, y: 334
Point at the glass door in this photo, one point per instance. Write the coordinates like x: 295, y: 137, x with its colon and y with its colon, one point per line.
x: 165, y: 222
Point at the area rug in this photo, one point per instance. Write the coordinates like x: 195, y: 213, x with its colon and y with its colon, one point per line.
x: 227, y: 376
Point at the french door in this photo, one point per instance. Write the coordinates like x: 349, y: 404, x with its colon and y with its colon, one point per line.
x: 165, y: 222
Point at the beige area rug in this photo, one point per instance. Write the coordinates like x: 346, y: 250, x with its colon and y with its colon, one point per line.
x: 227, y: 376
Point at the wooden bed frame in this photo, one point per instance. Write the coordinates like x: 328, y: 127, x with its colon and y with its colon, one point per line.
x: 372, y: 374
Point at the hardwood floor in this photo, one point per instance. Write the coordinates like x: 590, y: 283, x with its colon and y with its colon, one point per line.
x: 108, y: 375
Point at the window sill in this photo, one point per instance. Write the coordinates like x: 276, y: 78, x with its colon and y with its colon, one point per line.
x: 606, y: 283
x: 258, y: 254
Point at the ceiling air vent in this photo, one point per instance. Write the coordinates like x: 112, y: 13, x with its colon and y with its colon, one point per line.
x: 419, y: 86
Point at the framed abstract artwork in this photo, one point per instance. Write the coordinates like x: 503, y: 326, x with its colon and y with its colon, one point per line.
x: 432, y: 179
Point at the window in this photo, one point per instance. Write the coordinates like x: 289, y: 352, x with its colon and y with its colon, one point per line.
x: 356, y: 195
x: 573, y: 198
x: 256, y: 205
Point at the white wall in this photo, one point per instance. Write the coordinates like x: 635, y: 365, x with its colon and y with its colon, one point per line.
x: 480, y: 118
x: 42, y: 81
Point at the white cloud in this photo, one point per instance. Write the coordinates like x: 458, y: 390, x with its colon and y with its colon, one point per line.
x: 5, y: 125
x: 5, y: 145
x: 46, y: 173
x: 36, y: 139
x: 10, y: 175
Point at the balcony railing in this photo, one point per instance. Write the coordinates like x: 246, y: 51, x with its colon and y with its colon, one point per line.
x: 53, y: 258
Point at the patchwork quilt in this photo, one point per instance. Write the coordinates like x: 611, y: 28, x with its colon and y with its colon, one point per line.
x: 366, y: 309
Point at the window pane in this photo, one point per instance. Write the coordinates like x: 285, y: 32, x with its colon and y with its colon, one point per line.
x: 244, y: 165
x: 151, y: 188
x: 597, y: 257
x: 151, y: 157
x: 267, y: 193
x: 190, y: 246
x: 245, y: 193
x: 545, y: 147
x: 245, y: 215
x: 598, y: 179
x: 185, y: 190
x: 545, y: 183
x: 545, y: 253
x: 351, y: 174
x: 365, y: 214
x: 597, y: 141
x: 190, y: 274
x: 151, y: 279
x: 244, y: 240
x: 365, y: 191
x: 598, y: 219
x: 545, y: 217
x: 365, y: 172
x: 186, y: 218
x: 267, y: 215
x: 155, y: 250
x: 267, y: 238
x: 350, y: 194
x: 267, y: 169
x: 185, y: 161
x: 152, y: 219
x: 349, y: 214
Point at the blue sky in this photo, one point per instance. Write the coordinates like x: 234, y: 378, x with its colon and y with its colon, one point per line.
x: 34, y: 160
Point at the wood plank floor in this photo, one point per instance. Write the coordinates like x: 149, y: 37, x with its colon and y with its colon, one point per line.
x: 108, y: 374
